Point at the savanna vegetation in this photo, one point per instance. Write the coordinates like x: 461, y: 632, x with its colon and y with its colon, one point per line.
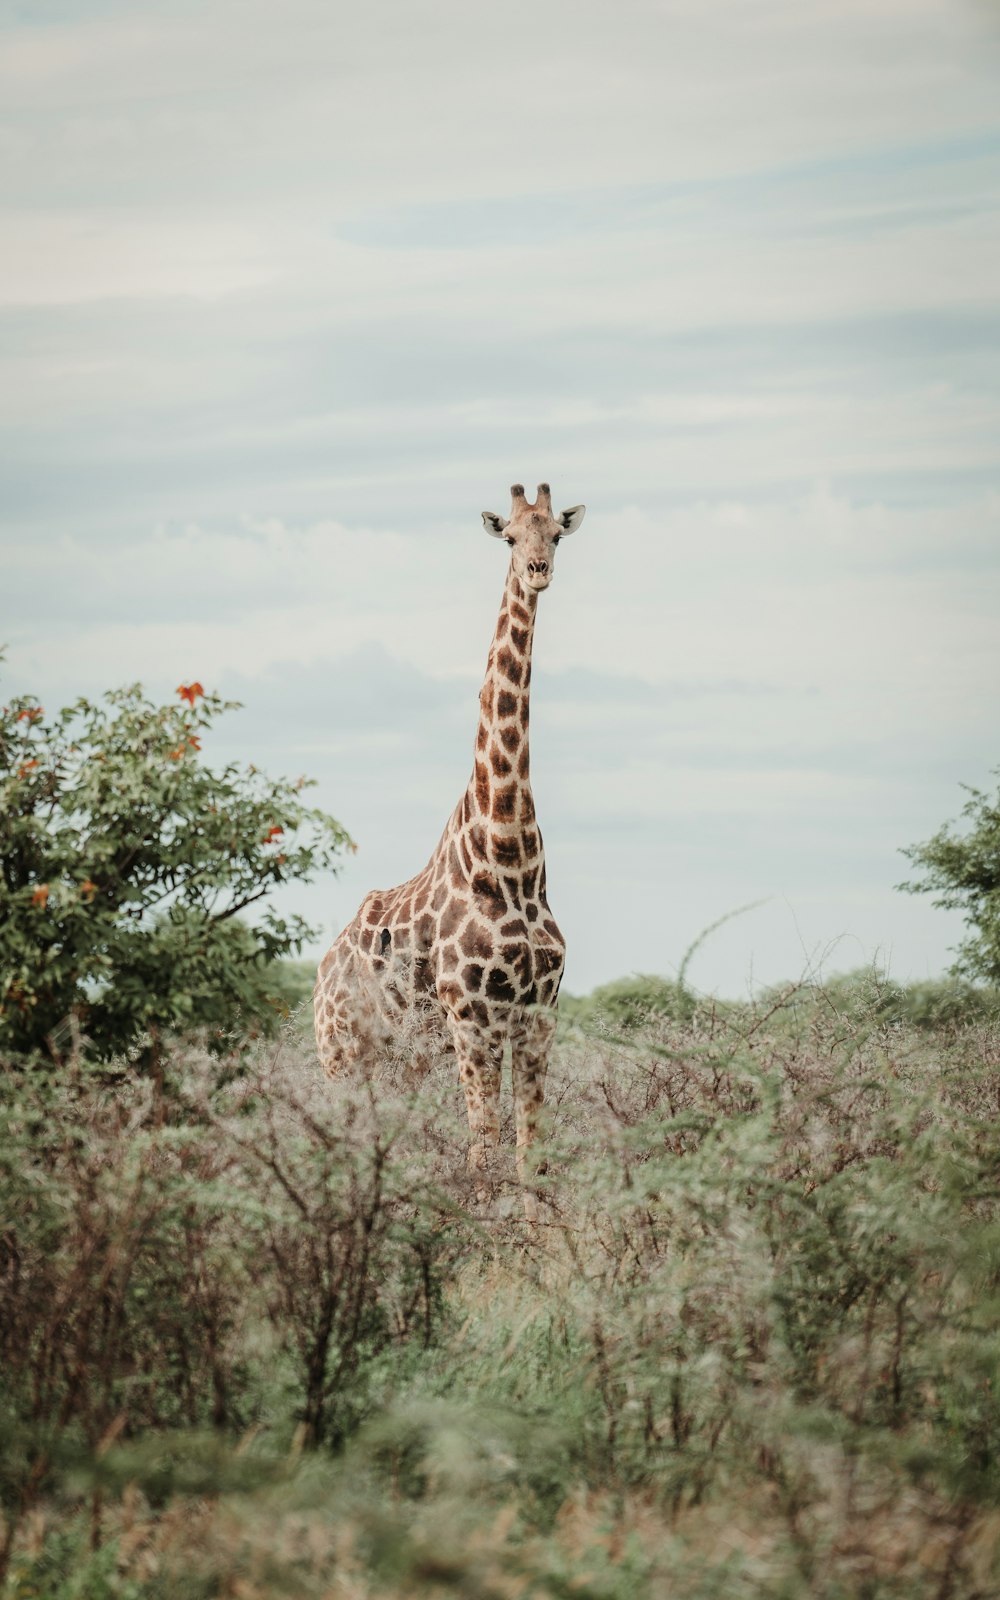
x: 960, y: 868
x: 260, y: 1339
x: 135, y: 876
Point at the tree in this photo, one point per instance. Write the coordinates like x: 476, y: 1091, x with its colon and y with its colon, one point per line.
x: 962, y: 871
x: 129, y: 871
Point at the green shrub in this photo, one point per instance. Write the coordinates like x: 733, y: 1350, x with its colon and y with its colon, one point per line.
x: 962, y: 872
x: 630, y: 1003
x: 129, y: 874
x: 867, y: 997
x: 292, y: 983
x: 947, y: 1002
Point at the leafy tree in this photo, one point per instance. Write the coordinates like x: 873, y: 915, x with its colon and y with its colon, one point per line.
x: 129, y: 870
x: 962, y: 871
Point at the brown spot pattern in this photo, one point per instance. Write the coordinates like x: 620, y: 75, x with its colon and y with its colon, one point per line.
x: 451, y: 918
x: 476, y: 941
x: 482, y: 788
x: 499, y: 986
x: 504, y: 803
x: 498, y: 761
x: 510, y: 666
x: 506, y: 851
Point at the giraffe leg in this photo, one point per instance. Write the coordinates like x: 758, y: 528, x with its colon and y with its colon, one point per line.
x: 479, y: 1058
x: 529, y: 1063
x: 346, y: 1018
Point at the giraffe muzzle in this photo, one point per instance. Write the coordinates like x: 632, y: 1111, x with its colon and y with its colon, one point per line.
x: 539, y: 574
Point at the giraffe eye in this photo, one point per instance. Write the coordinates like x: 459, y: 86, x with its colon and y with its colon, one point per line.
x: 556, y: 537
x: 511, y: 542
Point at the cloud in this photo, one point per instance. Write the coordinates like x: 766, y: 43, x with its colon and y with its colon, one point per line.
x: 393, y: 104
x: 285, y: 301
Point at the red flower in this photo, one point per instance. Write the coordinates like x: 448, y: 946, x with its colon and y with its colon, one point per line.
x: 40, y: 896
x: 175, y: 755
x: 194, y: 741
x: 190, y: 692
x: 272, y: 833
x: 25, y: 767
x: 31, y: 714
x: 88, y: 889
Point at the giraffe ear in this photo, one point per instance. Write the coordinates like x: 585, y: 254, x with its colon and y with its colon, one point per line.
x: 570, y: 520
x: 493, y: 524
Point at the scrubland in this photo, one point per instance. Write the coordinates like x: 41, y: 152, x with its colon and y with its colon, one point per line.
x: 259, y: 1338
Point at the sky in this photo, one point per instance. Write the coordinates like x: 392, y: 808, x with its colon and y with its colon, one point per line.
x: 290, y: 294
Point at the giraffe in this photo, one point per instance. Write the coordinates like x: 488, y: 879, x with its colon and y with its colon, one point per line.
x: 468, y: 952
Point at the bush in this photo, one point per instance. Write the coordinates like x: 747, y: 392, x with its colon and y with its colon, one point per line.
x: 178, y: 1258
x: 948, y: 1003
x: 630, y: 1003
x: 292, y: 984
x: 962, y: 872
x: 868, y: 997
x: 751, y: 1350
x: 129, y: 871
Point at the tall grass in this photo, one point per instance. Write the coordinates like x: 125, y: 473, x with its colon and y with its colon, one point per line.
x: 260, y: 1339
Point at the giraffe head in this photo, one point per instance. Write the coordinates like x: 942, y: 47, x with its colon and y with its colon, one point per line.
x: 532, y: 531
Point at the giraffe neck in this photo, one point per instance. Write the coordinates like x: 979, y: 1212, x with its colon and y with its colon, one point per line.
x: 499, y: 793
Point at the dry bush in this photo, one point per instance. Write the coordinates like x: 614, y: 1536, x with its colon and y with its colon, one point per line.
x: 750, y: 1350
x: 178, y: 1256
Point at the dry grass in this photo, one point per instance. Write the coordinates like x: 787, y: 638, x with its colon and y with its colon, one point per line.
x: 260, y: 1340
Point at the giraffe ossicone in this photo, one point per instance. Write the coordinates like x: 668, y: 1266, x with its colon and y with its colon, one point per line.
x: 468, y: 954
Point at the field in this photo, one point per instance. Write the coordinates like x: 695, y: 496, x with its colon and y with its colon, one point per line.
x: 260, y: 1339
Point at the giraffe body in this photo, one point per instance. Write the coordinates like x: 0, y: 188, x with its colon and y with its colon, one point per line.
x: 467, y: 956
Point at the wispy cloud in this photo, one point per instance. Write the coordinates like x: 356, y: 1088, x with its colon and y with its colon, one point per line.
x: 286, y: 300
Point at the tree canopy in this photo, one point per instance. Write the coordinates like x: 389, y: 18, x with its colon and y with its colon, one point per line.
x: 134, y: 878
x: 962, y: 871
